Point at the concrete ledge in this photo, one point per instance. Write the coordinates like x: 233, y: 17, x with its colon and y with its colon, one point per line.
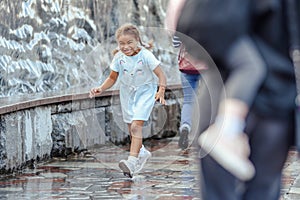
x: 12, y: 104
x: 9, y: 104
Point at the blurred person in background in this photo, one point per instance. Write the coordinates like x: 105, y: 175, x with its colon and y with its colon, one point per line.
x: 190, y: 75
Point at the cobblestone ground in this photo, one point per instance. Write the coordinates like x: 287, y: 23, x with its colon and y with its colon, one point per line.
x: 170, y: 174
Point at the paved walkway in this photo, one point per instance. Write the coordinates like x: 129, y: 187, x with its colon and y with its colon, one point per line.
x: 290, y: 180
x: 171, y: 174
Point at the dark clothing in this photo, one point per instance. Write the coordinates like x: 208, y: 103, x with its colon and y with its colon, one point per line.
x: 217, y: 28
x: 270, y: 140
x: 271, y: 118
x: 277, y: 95
x: 247, y: 70
x: 215, y: 24
x: 222, y: 29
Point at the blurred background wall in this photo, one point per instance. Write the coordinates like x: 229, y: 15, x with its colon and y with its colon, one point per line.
x: 62, y: 45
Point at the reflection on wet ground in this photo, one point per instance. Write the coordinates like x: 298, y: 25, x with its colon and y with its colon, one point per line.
x: 169, y: 174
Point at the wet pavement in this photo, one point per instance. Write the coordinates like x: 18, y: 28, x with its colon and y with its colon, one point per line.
x: 170, y: 174
x: 290, y: 180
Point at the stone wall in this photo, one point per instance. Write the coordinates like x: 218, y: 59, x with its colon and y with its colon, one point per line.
x: 57, y: 45
x: 25, y: 136
x: 73, y: 124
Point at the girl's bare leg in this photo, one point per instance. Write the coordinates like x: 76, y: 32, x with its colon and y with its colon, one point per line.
x: 135, y: 129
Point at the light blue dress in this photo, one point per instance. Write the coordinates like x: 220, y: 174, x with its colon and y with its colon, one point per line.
x: 138, y: 84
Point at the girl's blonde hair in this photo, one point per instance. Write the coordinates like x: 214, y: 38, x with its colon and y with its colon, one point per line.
x: 130, y: 29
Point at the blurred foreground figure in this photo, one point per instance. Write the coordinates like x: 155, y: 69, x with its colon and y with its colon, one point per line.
x: 225, y: 140
x: 249, y: 43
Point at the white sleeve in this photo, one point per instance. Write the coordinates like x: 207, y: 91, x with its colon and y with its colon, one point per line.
x: 151, y: 60
x: 114, y: 65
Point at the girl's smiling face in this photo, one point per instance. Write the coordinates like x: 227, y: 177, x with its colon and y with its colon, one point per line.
x: 128, y: 44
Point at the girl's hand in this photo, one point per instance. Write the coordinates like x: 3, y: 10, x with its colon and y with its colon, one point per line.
x: 95, y: 91
x: 160, y: 96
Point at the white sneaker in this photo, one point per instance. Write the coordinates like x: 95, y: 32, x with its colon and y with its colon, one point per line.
x: 230, y: 153
x: 144, y: 155
x: 128, y: 167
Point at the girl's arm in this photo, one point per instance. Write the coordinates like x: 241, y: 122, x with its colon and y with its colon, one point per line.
x: 160, y: 95
x: 108, y: 83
